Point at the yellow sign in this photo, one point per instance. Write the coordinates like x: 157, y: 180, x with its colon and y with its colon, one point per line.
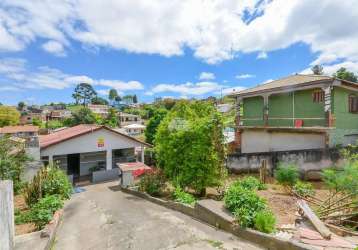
x: 100, y: 142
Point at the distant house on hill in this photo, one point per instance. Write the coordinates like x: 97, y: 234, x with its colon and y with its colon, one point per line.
x: 102, y: 110
x: 128, y: 119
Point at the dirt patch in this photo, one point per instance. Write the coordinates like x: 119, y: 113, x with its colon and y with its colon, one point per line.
x: 25, y: 228
x: 282, y: 205
x: 21, y: 207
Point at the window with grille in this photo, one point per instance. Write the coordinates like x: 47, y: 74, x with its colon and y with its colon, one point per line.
x: 318, y: 96
x: 353, y: 104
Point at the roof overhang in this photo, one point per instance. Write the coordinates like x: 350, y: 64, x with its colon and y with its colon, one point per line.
x: 93, y: 130
x: 315, y: 130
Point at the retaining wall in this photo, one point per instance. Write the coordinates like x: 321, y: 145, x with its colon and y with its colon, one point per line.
x: 212, y: 213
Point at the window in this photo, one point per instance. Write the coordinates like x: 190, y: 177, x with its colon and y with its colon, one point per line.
x: 318, y: 96
x: 353, y: 104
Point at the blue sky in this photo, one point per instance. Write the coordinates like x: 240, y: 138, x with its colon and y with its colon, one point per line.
x: 180, y: 49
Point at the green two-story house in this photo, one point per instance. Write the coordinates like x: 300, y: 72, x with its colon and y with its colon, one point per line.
x: 298, y: 112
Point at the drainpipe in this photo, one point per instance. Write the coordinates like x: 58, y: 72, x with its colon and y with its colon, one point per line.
x: 266, y: 109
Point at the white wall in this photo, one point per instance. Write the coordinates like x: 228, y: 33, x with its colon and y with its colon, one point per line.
x: 88, y: 143
x: 255, y: 141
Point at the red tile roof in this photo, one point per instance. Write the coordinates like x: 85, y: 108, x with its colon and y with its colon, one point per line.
x: 18, y: 129
x: 69, y: 133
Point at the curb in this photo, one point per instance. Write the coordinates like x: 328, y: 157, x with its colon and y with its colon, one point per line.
x: 212, y: 218
x: 51, y: 229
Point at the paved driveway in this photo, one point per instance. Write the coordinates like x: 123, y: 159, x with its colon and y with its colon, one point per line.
x: 103, y: 217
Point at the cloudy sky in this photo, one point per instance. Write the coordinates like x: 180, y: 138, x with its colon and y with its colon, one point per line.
x: 178, y: 48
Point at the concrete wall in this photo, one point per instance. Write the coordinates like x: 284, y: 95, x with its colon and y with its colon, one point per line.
x: 309, y: 162
x: 255, y: 141
x: 88, y: 143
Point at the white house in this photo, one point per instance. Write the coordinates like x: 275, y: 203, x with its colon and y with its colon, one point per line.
x: 83, y: 148
x: 134, y: 129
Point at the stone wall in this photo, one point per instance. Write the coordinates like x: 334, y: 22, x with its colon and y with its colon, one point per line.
x: 310, y: 162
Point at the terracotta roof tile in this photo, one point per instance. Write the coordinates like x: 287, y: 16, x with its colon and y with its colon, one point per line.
x: 18, y: 129
x: 65, y: 134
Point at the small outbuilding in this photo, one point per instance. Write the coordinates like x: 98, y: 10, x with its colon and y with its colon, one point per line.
x: 86, y: 148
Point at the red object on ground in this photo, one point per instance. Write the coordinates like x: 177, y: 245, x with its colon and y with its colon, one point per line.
x: 298, y: 123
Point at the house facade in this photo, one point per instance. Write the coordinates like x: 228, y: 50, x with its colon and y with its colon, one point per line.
x: 128, y: 119
x: 81, y: 149
x: 299, y: 112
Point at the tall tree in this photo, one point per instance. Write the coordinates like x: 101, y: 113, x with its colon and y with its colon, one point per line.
x: 21, y: 106
x: 128, y: 99
x: 83, y: 116
x: 99, y: 100
x: 112, y: 95
x: 189, y: 145
x: 84, y: 93
x: 317, y: 69
x: 135, y: 99
x: 344, y: 74
x: 111, y: 120
x: 9, y: 116
x: 153, y: 123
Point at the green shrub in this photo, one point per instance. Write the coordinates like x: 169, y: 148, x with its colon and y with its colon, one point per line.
x: 41, y: 213
x: 251, y: 183
x: 287, y: 174
x: 265, y: 221
x: 303, y: 189
x: 152, y: 183
x: 345, y: 180
x: 22, y: 217
x: 180, y: 196
x: 244, y: 203
x: 48, y: 180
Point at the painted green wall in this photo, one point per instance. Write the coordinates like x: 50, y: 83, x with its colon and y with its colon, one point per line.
x: 344, y: 119
x: 306, y: 108
x: 281, y: 109
x: 281, y: 106
x: 253, y: 111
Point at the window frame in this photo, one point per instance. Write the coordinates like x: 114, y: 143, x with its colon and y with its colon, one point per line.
x: 353, y: 104
x: 318, y: 96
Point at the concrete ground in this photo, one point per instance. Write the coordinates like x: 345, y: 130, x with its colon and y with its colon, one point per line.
x: 103, y: 217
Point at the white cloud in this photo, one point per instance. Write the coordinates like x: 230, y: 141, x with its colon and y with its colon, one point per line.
x: 244, y: 76
x: 188, y: 88
x: 227, y: 91
x: 194, y: 89
x: 329, y: 69
x: 215, y: 30
x: 54, y: 47
x: 15, y: 74
x: 262, y: 55
x: 206, y: 76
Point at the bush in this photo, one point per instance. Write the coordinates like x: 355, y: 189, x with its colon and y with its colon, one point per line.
x: 303, y: 189
x: 287, y: 174
x: 265, y: 221
x: 251, y: 183
x: 152, y: 183
x: 12, y: 161
x: 41, y: 213
x: 345, y: 180
x: 244, y: 203
x: 180, y: 196
x: 48, y: 181
x: 190, y: 145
